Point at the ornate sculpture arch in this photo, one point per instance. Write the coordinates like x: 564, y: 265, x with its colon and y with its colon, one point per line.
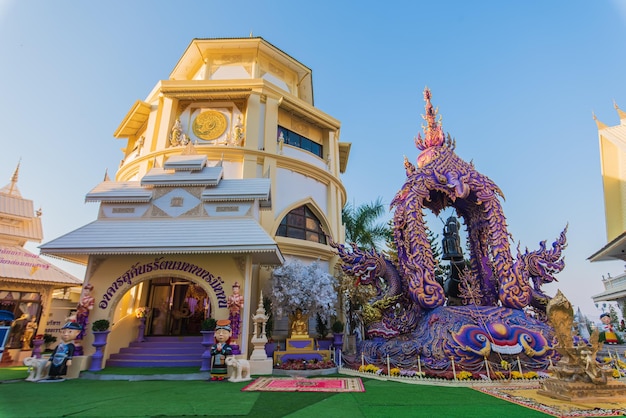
x: 443, y: 180
x: 409, y: 317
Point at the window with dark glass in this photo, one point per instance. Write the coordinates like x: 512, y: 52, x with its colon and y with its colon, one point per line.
x: 301, y: 223
x: 296, y: 140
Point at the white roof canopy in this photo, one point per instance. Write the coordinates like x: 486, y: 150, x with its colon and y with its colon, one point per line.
x: 164, y: 236
x: 119, y: 192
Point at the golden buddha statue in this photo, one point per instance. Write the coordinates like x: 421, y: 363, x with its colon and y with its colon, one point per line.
x: 299, y: 325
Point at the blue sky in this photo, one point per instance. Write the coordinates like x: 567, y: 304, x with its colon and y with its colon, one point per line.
x: 516, y: 83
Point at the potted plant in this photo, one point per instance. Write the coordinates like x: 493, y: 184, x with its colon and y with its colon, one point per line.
x: 100, y: 330
x: 47, y: 340
x: 101, y: 325
x: 207, y: 329
x: 337, y: 328
x: 321, y: 327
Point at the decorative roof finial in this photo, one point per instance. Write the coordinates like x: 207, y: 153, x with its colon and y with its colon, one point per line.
x: 433, y: 131
x: 408, y: 167
x: 599, y: 124
x: 14, y: 177
x: 620, y: 112
x: 189, y: 149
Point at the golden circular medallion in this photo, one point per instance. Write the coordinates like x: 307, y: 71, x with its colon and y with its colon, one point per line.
x: 209, y: 125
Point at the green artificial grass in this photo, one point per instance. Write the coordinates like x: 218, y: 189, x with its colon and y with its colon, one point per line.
x: 89, y: 398
x: 10, y: 373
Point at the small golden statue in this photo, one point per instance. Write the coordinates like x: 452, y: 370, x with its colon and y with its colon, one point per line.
x: 299, y: 325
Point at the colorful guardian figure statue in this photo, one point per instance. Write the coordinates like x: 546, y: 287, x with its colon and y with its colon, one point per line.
x: 500, y: 307
x: 61, y: 357
x: 220, y: 350
x: 607, y: 333
x: 235, y: 304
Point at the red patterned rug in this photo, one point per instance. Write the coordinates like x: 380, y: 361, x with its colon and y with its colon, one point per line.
x: 527, y: 396
x: 300, y: 384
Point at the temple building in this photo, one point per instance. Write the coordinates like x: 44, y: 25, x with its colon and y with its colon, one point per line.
x: 613, y: 166
x: 34, y: 291
x: 228, y: 170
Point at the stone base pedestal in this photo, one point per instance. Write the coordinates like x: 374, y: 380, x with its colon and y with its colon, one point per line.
x: 258, y: 354
x: 79, y: 363
x: 262, y: 367
x: 301, y: 349
x: 613, y: 391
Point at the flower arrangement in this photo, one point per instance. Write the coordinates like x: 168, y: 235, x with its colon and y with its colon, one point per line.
x: 411, y: 373
x: 528, y: 375
x: 142, y: 312
x: 308, y: 287
x: 449, y: 375
x: 618, y: 367
x: 370, y: 368
x: 464, y: 375
x: 301, y: 364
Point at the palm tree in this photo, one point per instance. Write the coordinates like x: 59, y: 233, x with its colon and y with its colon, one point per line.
x: 362, y: 228
x: 361, y: 224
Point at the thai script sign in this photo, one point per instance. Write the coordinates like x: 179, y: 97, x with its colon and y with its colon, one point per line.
x: 161, y: 264
x: 21, y: 259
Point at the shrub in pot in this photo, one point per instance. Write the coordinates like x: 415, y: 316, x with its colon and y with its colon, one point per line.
x: 100, y: 325
x: 337, y: 327
x: 208, y: 324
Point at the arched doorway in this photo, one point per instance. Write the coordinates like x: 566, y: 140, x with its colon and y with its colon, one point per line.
x: 178, y: 306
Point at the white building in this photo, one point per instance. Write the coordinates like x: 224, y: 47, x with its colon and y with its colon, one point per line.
x: 228, y: 169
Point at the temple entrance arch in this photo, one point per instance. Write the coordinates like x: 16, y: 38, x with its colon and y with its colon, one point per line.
x: 177, y: 304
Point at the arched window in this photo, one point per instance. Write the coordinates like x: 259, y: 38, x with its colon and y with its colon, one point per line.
x: 301, y: 223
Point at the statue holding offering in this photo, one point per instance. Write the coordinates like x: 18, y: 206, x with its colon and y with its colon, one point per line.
x: 220, y: 350
x: 61, y: 357
x: 235, y: 304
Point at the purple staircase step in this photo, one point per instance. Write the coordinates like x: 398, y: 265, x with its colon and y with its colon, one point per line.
x: 163, y: 357
x: 153, y: 363
x: 166, y: 351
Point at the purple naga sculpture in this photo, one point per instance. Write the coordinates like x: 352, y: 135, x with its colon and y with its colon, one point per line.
x: 409, y: 316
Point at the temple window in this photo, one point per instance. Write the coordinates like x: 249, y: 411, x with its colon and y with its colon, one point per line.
x: 295, y: 140
x: 301, y: 223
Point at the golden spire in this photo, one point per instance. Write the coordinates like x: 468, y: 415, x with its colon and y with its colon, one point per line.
x: 14, y: 177
x: 620, y: 112
x: 598, y: 123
